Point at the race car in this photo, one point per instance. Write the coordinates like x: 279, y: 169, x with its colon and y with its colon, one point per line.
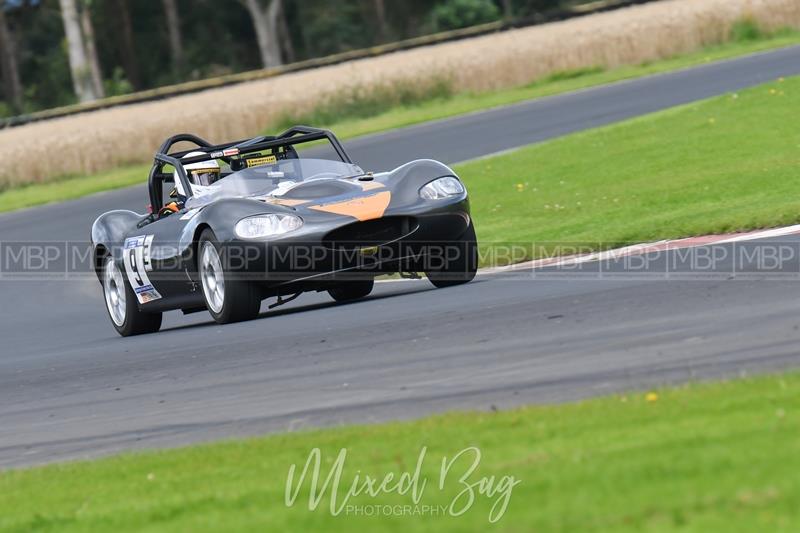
x: 273, y: 217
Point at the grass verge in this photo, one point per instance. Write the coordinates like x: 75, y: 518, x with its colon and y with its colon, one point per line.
x: 387, y: 109
x: 720, y: 457
x: 721, y: 165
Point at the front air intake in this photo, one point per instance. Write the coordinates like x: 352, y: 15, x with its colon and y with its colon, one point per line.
x: 370, y: 233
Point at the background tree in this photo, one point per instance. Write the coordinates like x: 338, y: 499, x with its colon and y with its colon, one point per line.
x: 12, y: 88
x: 78, y: 58
x: 266, y: 20
x: 508, y: 9
x: 175, y: 38
x: 289, y: 54
x: 127, y: 43
x: 380, y: 14
x: 91, y: 49
x: 535, y: 8
x: 455, y: 14
x: 119, y: 46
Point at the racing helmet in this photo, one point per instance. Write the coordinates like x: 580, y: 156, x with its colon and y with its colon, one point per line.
x: 200, y: 174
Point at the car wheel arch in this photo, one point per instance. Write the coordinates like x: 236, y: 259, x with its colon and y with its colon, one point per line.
x: 198, y: 231
x: 100, y: 254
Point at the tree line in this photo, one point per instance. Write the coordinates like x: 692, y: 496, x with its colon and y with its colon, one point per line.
x: 58, y: 52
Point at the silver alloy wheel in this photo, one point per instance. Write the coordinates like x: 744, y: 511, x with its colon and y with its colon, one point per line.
x: 114, y: 290
x: 211, y: 276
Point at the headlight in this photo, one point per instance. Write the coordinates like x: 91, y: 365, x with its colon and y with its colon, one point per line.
x: 266, y: 226
x: 442, y: 188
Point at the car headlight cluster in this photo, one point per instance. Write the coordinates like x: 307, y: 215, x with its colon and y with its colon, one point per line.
x: 442, y: 188
x: 266, y: 226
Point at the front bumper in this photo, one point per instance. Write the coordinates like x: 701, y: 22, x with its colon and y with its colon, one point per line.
x: 398, y: 242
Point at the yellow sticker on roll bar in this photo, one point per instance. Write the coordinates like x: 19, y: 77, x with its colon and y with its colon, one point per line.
x: 258, y: 161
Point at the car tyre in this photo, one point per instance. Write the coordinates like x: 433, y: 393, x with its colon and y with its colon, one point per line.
x: 121, y: 303
x: 228, y: 298
x: 460, y: 262
x: 352, y: 290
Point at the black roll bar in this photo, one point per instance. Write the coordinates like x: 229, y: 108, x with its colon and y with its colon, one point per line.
x: 292, y: 136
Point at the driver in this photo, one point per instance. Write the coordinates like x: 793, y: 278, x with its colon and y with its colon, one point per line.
x: 201, y: 175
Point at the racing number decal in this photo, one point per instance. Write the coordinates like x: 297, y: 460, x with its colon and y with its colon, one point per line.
x: 135, y: 267
x: 137, y: 264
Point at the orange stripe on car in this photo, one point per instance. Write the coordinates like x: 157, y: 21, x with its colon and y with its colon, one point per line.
x: 286, y: 201
x: 370, y: 185
x: 362, y: 208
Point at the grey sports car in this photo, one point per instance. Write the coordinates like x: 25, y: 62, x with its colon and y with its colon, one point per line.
x: 280, y: 219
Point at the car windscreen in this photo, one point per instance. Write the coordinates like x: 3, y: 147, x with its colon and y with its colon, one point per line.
x: 271, y: 179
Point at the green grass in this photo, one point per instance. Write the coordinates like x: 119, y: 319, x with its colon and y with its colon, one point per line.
x: 726, y: 164
x: 720, y: 457
x: 73, y: 187
x: 404, y: 106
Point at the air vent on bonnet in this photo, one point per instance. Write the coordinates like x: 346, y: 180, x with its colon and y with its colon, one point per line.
x: 323, y: 188
x: 370, y: 233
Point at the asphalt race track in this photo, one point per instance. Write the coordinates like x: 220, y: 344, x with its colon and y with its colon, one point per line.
x: 71, y: 388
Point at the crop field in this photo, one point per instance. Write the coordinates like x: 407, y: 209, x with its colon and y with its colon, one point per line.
x: 102, y: 140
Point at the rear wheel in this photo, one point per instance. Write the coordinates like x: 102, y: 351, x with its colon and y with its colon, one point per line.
x: 121, y: 304
x: 352, y: 290
x: 228, y: 299
x: 458, y: 262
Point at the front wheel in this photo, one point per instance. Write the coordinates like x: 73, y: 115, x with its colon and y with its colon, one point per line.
x: 228, y: 299
x: 352, y: 290
x: 454, y: 262
x: 121, y: 305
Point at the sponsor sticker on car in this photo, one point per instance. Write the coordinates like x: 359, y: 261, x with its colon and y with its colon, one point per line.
x: 146, y: 294
x: 137, y: 260
x: 258, y: 161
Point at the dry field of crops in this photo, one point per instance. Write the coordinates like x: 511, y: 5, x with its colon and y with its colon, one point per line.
x: 101, y: 140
